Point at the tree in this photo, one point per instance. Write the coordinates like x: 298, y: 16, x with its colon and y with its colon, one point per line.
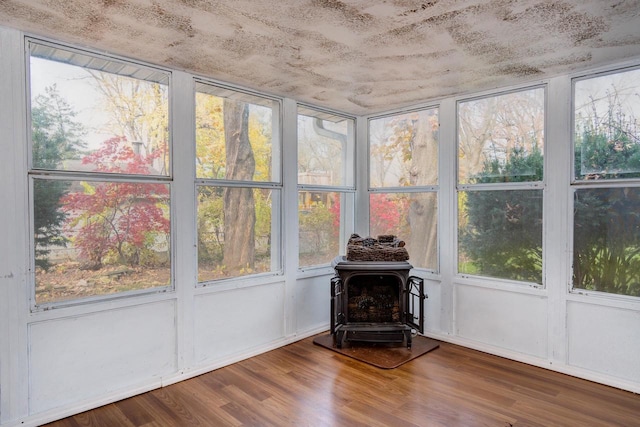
x: 503, y: 236
x: 117, y: 221
x: 239, y: 202
x: 606, y: 239
x: 408, y: 149
x: 138, y: 110
x: 56, y: 137
x: 423, y: 208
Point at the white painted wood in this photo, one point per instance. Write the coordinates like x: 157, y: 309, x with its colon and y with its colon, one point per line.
x: 447, y: 211
x: 233, y: 322
x: 557, y: 209
x: 433, y: 307
x: 361, y: 225
x: 510, y: 320
x: 89, y: 356
x: 289, y: 222
x: 183, y: 215
x: 313, y: 302
x: 14, y: 236
x: 604, y: 340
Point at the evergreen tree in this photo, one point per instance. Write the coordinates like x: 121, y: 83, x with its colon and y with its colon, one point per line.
x: 504, y: 237
x: 56, y: 137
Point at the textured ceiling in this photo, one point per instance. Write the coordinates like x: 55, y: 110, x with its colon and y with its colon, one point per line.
x: 357, y: 56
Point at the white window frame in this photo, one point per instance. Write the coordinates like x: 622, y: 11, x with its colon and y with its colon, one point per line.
x: 34, y: 173
x: 409, y: 189
x: 347, y: 191
x: 582, y: 184
x: 276, y: 185
x: 540, y: 185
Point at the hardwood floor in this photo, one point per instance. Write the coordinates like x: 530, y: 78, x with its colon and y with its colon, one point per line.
x: 306, y: 385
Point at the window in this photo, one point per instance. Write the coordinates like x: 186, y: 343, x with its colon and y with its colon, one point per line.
x: 500, y: 178
x: 403, y: 182
x: 606, y: 183
x: 238, y: 183
x: 325, y: 185
x: 99, y: 174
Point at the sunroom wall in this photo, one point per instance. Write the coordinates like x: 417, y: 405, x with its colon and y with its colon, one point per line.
x: 548, y: 326
x: 58, y: 362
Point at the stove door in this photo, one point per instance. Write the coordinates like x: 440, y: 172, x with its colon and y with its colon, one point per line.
x: 337, y: 295
x: 415, y: 303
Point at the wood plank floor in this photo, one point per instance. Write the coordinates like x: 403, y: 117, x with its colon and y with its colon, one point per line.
x: 306, y: 385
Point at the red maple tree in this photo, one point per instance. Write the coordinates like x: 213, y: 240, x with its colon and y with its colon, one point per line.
x: 117, y: 219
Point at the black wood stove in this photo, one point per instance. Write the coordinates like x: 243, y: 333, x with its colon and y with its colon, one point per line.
x: 375, y: 301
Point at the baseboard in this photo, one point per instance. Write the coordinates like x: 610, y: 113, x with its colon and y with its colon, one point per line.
x: 78, y: 407
x: 562, y: 368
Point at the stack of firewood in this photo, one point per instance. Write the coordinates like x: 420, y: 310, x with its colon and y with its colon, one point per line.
x: 384, y: 248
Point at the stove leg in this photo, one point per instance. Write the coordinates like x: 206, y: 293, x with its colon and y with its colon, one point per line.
x: 407, y: 334
x: 339, y: 336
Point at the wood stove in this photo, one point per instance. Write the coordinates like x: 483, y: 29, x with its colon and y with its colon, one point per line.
x: 375, y: 301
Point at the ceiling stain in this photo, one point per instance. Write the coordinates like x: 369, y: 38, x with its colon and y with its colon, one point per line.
x: 349, y: 13
x: 560, y: 18
x: 356, y: 56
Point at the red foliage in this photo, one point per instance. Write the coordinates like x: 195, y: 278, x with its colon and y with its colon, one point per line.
x: 116, y: 216
x: 387, y: 216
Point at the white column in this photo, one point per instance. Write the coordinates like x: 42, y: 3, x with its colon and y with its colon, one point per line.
x: 183, y: 215
x: 557, y: 210
x: 15, y: 275
x: 290, y: 211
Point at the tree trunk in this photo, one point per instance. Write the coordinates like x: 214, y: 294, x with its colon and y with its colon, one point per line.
x: 423, y: 208
x: 239, y: 205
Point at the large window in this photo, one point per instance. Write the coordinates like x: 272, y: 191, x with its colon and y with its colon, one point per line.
x: 403, y: 182
x: 100, y: 176
x: 325, y: 185
x: 238, y: 183
x: 606, y: 183
x: 500, y: 174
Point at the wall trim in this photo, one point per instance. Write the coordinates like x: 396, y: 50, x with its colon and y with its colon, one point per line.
x: 562, y: 368
x: 146, y: 386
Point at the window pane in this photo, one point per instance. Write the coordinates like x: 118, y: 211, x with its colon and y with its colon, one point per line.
x: 606, y: 240
x: 98, y: 238
x: 319, y: 222
x: 236, y: 136
x: 500, y: 138
x: 76, y: 111
x: 403, y: 149
x: 234, y: 231
x: 500, y: 234
x: 607, y: 126
x: 323, y: 151
x: 413, y: 218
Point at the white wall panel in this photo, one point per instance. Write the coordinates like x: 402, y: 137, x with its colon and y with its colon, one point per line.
x: 235, y: 321
x: 79, y: 358
x: 604, y: 340
x: 510, y: 320
x: 313, y: 302
x: 433, y: 306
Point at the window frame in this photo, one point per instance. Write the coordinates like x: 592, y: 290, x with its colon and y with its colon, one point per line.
x: 500, y: 186
x: 42, y: 174
x: 421, y: 189
x: 276, y: 186
x: 576, y: 185
x: 348, y: 190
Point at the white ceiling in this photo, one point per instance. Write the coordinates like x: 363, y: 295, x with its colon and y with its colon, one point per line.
x: 356, y: 56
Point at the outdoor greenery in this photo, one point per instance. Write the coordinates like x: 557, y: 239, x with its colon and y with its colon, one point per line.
x: 103, y: 223
x: 503, y: 235
x: 56, y: 137
x: 606, y: 241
